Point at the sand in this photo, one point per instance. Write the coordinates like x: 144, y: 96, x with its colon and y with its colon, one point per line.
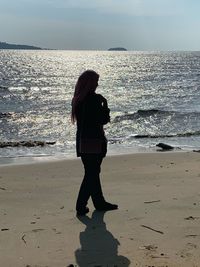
x: 157, y: 223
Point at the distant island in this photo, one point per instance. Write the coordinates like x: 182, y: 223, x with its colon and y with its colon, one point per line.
x: 117, y: 49
x: 4, y: 45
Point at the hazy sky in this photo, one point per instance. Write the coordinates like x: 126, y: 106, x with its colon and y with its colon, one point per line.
x: 100, y: 24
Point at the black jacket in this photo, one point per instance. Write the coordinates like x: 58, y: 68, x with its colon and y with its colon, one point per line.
x: 91, y: 115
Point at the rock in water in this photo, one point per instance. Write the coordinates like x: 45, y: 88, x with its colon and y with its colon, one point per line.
x: 25, y: 143
x: 165, y: 146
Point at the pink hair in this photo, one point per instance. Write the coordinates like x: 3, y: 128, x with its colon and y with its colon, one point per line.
x: 85, y: 84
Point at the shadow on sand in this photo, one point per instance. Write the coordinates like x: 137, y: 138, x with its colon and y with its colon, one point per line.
x: 99, y: 248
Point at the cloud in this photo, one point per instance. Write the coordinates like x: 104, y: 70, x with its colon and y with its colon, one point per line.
x: 129, y: 7
x: 95, y: 7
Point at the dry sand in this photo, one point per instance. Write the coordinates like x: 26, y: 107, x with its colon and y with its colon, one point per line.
x: 157, y: 224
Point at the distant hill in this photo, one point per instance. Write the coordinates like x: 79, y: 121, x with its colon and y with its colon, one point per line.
x: 117, y: 49
x: 4, y: 45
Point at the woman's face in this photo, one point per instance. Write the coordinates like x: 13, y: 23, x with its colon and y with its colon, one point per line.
x: 95, y: 84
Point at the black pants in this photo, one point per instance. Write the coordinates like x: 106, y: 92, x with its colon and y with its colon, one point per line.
x: 91, y: 185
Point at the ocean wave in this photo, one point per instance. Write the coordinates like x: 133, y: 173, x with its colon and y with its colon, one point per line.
x: 4, y: 90
x: 3, y: 87
x: 152, y: 112
x: 186, y: 134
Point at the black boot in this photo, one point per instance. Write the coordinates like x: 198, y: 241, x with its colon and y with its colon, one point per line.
x: 105, y: 206
x: 82, y: 212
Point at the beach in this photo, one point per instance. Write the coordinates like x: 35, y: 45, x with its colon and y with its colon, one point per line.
x: 157, y: 223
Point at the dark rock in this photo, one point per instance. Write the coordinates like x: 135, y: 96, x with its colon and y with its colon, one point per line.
x: 25, y: 143
x: 165, y: 146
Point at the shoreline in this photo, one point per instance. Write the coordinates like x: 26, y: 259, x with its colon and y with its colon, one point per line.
x: 34, y: 159
x: 157, y: 223
x: 27, y: 160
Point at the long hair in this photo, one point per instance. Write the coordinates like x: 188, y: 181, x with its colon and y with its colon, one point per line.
x: 86, y: 83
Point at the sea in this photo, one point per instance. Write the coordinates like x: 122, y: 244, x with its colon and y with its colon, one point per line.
x: 153, y: 97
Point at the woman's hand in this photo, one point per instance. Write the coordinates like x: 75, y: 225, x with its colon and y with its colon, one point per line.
x: 105, y: 112
x: 103, y: 101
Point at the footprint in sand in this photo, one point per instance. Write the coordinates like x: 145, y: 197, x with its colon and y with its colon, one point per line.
x: 37, y: 230
x: 191, y: 218
x: 187, y: 251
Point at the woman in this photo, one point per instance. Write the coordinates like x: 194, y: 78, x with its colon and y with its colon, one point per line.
x: 91, y: 112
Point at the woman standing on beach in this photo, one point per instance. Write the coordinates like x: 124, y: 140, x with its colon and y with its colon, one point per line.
x: 91, y: 112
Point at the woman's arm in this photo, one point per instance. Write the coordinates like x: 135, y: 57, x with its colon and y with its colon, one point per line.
x: 97, y: 111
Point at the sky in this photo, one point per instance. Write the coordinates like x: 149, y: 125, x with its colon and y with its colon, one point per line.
x: 149, y: 25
